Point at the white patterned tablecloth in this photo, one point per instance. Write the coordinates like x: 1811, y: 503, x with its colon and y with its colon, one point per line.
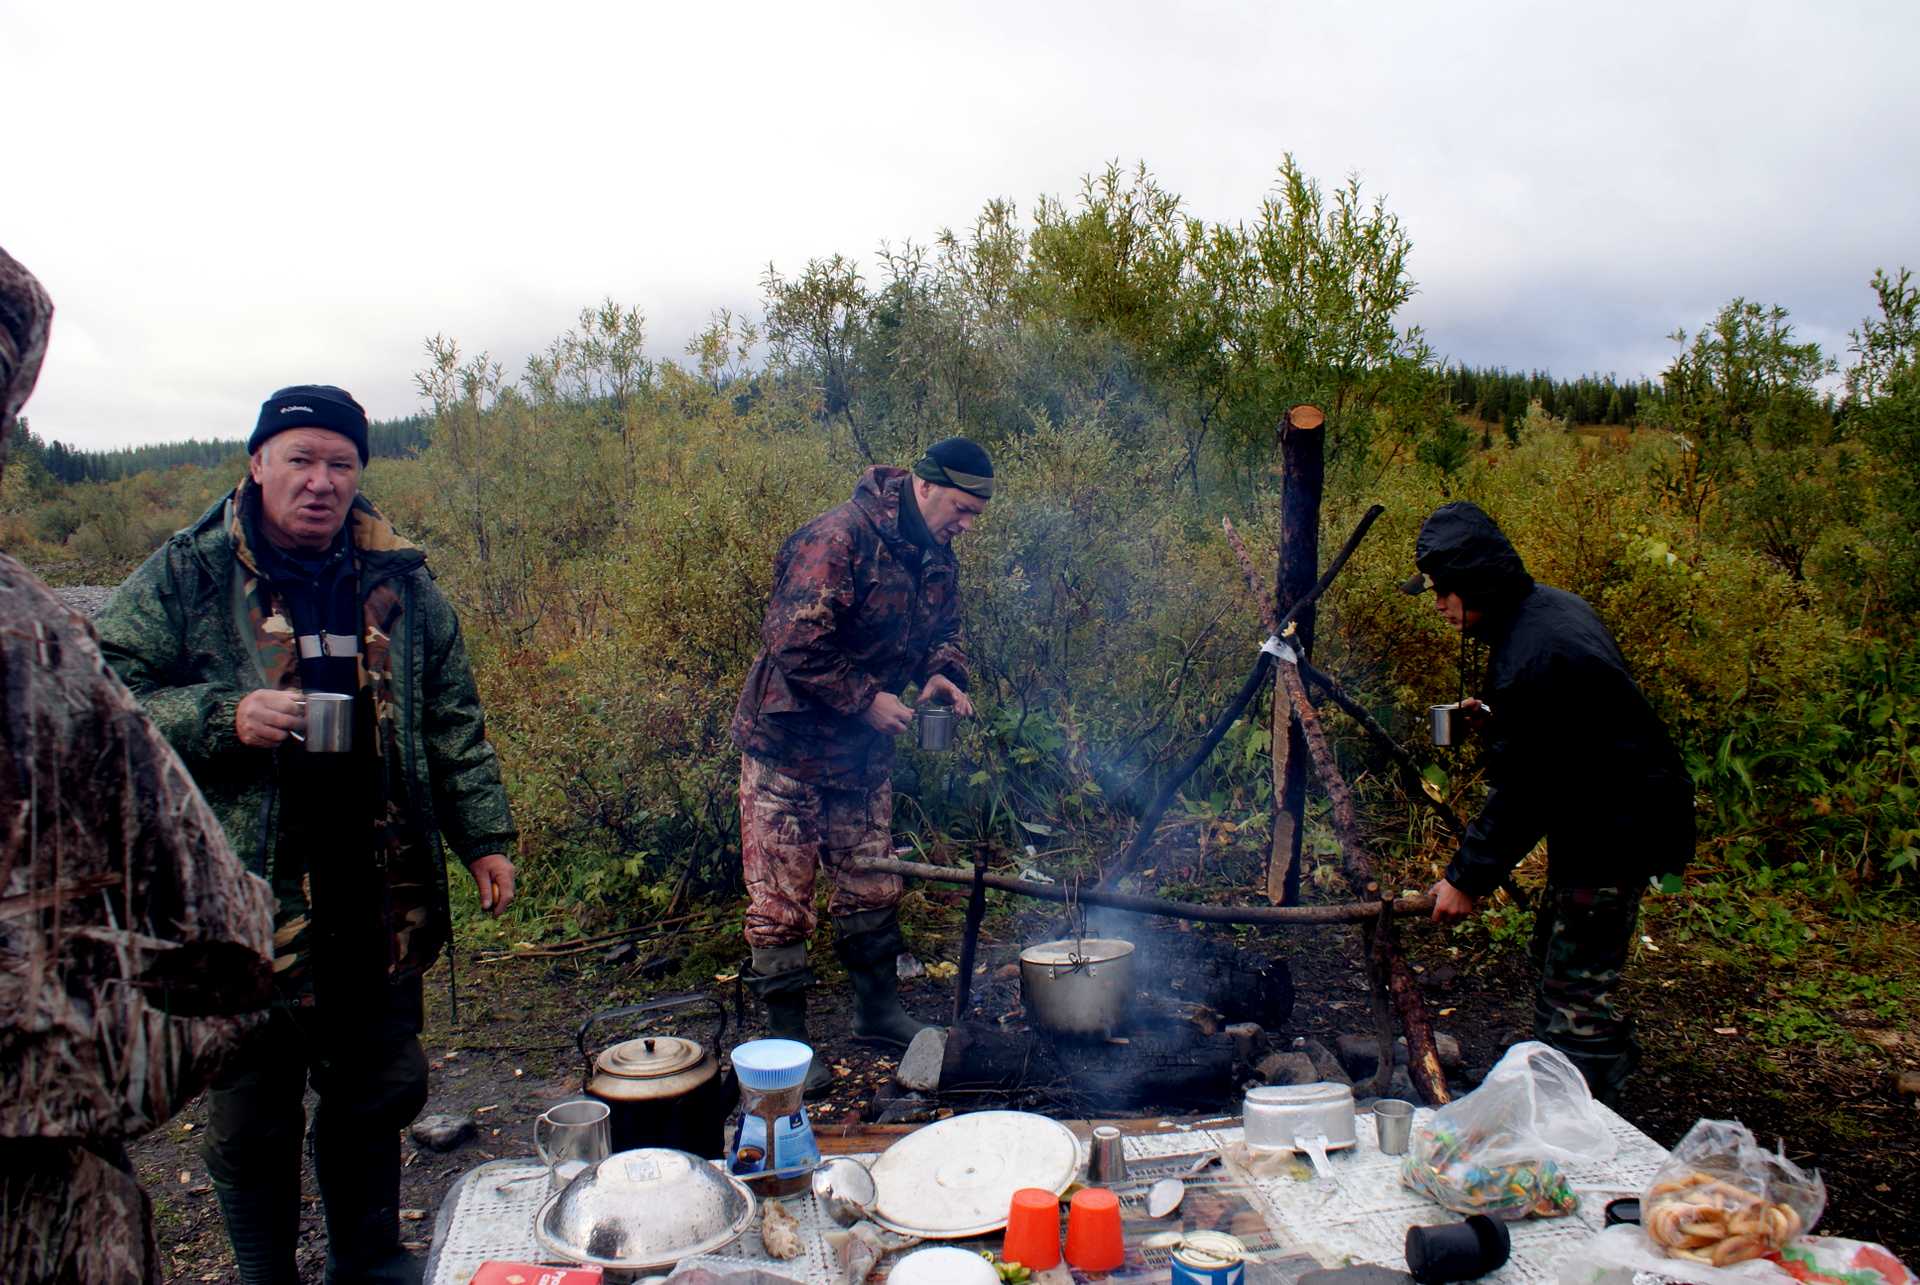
x: 1359, y: 1213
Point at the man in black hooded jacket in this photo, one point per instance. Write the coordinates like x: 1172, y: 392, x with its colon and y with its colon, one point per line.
x: 1577, y: 757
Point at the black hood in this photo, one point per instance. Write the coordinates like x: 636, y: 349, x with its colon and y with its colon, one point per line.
x: 1462, y: 550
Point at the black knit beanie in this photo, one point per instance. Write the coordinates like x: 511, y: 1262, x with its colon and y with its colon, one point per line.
x: 960, y: 463
x: 312, y: 406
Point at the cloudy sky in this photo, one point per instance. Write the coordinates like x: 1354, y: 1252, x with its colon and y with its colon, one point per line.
x: 225, y: 198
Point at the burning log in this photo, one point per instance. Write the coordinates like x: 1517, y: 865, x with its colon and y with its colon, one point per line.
x: 1172, y: 1068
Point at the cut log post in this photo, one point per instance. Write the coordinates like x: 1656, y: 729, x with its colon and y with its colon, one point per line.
x: 1303, y: 471
x: 1373, y: 935
x: 969, y: 944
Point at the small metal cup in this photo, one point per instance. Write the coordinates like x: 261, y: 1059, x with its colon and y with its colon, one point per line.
x: 1106, y: 1159
x: 936, y: 727
x: 571, y: 1137
x: 1446, y: 723
x: 1393, y: 1122
x: 329, y: 723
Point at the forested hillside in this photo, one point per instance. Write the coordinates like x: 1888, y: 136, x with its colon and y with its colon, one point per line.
x: 606, y: 523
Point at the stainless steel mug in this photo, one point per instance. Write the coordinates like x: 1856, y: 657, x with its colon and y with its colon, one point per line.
x: 1393, y: 1125
x: 572, y: 1136
x: 936, y: 727
x: 329, y: 723
x: 1106, y: 1159
x: 1447, y: 724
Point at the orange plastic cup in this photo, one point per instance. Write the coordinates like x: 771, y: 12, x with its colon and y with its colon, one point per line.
x: 1033, y: 1229
x: 1093, y: 1231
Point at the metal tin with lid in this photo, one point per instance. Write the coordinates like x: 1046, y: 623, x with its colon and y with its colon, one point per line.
x: 1209, y: 1258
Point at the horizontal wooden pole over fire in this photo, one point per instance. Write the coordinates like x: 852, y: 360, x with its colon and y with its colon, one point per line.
x: 1279, y: 916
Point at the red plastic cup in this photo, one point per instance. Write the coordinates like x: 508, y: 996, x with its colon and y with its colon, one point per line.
x: 1033, y: 1229
x: 1093, y: 1231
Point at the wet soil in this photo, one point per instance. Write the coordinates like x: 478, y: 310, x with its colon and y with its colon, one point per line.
x: 510, y: 1056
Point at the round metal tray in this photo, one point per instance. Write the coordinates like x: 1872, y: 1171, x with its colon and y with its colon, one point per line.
x: 956, y: 1177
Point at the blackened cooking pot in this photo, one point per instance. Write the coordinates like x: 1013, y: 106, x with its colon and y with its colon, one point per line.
x: 662, y: 1090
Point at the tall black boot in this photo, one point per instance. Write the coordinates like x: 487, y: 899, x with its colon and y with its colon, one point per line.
x: 359, y: 1189
x: 263, y: 1222
x: 869, y: 944
x: 781, y: 979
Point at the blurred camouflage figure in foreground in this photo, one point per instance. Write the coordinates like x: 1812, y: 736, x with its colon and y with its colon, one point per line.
x: 132, y: 944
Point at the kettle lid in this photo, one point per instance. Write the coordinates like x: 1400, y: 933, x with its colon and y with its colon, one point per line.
x: 651, y: 1057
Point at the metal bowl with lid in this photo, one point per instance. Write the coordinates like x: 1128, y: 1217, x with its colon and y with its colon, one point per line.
x: 644, y: 1209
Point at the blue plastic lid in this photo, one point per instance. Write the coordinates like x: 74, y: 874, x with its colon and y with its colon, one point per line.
x: 772, y: 1064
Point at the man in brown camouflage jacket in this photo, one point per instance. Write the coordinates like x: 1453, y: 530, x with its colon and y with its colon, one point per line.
x: 865, y: 603
x: 132, y: 943
x: 290, y: 590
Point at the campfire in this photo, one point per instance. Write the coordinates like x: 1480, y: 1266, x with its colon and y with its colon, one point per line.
x: 1194, y: 1016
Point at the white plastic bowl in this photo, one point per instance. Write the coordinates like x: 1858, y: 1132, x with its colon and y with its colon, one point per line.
x: 943, y: 1265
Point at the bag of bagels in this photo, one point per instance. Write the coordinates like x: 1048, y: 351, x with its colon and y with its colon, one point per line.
x: 1722, y: 1199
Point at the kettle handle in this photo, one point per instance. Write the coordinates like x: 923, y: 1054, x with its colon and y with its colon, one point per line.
x: 651, y: 1006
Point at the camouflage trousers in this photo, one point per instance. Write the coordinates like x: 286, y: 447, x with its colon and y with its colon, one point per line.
x: 71, y: 1215
x: 1581, y: 939
x: 788, y: 830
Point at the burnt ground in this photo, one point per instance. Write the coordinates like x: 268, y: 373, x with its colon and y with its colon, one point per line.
x: 1832, y: 1102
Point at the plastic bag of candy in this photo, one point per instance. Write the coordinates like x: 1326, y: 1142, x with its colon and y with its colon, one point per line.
x: 1721, y: 1198
x: 1501, y: 1149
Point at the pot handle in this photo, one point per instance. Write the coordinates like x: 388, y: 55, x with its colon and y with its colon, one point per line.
x: 651, y: 1006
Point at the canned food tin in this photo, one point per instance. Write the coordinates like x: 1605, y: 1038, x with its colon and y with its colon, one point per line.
x: 1210, y: 1258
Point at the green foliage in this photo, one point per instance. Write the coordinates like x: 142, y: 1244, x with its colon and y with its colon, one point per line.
x: 606, y: 525
x: 1883, y: 409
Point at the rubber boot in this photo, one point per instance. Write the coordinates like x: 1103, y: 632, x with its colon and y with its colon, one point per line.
x: 781, y: 979
x: 263, y: 1223
x: 359, y: 1189
x: 869, y: 944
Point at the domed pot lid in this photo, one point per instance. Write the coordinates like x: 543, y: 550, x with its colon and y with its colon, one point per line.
x: 651, y: 1057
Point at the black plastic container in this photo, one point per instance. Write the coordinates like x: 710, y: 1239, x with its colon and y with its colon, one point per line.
x: 1624, y: 1210
x: 1461, y: 1251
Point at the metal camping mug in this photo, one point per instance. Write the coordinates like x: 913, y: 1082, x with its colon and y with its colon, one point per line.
x: 1393, y: 1125
x: 571, y: 1137
x: 936, y: 727
x: 1106, y: 1157
x: 1447, y: 723
x: 329, y: 723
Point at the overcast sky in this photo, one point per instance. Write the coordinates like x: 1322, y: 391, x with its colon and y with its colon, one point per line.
x: 226, y: 198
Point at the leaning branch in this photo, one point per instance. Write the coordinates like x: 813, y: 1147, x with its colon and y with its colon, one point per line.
x: 1385, y: 969
x: 1150, y: 823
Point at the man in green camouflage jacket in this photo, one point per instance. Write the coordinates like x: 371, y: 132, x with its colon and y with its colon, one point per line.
x: 865, y: 603
x: 292, y: 586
